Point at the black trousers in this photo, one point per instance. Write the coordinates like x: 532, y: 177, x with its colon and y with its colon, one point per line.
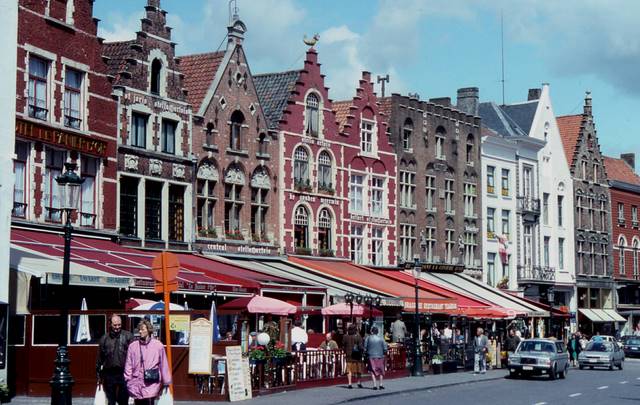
x: 115, y: 387
x: 145, y: 401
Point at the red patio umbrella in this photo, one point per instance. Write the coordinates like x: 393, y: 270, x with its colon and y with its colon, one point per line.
x: 345, y: 309
x: 258, y: 304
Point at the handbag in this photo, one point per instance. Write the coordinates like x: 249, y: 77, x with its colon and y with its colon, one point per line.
x: 152, y: 375
x: 100, y: 398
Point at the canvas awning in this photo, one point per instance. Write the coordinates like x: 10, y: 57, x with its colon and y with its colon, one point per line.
x: 602, y: 315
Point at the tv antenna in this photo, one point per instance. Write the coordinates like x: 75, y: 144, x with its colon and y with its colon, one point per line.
x: 383, y: 79
x: 233, y: 12
x: 502, y: 51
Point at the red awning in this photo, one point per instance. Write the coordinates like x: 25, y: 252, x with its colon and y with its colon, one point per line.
x: 112, y: 258
x: 429, y: 301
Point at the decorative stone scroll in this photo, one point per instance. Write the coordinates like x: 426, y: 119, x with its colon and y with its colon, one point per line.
x: 155, y: 166
x: 131, y: 163
x: 260, y: 179
x: 178, y: 171
x: 207, y: 171
x: 234, y: 176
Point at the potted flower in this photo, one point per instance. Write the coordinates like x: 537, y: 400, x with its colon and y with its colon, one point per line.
x: 504, y: 283
x: 279, y: 353
x: 257, y: 355
x: 5, y: 394
x: 436, y: 363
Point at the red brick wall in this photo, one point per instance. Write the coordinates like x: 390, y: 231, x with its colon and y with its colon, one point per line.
x: 628, y: 230
x: 77, y: 42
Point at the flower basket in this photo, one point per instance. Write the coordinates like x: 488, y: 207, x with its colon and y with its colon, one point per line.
x: 258, y: 355
x: 303, y: 251
x: 235, y: 235
x: 326, y: 253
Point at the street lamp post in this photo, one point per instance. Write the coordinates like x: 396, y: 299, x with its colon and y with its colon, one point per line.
x: 62, y: 381
x: 551, y: 297
x: 417, y: 354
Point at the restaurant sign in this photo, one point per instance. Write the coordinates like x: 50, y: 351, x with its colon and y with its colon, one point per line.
x: 193, y: 287
x: 58, y: 137
x: 427, y: 305
x: 86, y: 280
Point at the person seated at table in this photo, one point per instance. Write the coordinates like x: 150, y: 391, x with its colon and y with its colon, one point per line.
x: 299, y: 337
x: 228, y: 337
x: 329, y: 343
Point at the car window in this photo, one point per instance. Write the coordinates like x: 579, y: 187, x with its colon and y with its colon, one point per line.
x: 533, y: 346
x: 633, y: 341
x: 559, y: 347
x: 599, y: 347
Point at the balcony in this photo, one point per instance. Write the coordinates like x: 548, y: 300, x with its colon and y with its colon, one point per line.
x: 536, y: 274
x: 529, y: 208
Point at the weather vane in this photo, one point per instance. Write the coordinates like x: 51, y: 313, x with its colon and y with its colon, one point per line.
x: 311, y: 42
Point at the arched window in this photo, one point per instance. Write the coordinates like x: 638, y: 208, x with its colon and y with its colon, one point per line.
x: 301, y: 168
x: 206, y: 181
x: 235, y: 130
x: 440, y: 137
x: 407, y: 132
x: 635, y: 257
x: 301, y: 230
x: 324, y: 233
x: 324, y: 172
x: 156, y: 68
x: 621, y: 261
x: 312, y: 114
x: 234, y: 181
x: 470, y: 145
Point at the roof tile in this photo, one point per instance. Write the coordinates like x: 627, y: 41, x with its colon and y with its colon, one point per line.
x: 618, y: 169
x: 199, y: 71
x: 118, y: 53
x: 569, y: 127
x: 341, y: 109
x: 274, y: 90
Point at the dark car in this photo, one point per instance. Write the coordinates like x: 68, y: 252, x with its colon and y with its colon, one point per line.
x: 631, y: 345
x: 539, y: 356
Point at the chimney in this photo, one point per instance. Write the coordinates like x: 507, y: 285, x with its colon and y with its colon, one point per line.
x: 534, y: 94
x: 468, y: 100
x: 630, y: 158
x: 587, y: 105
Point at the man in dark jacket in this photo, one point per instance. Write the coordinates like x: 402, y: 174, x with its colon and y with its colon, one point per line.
x: 512, y: 341
x: 112, y: 355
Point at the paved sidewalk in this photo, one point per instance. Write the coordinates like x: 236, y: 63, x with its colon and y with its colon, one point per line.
x: 337, y: 394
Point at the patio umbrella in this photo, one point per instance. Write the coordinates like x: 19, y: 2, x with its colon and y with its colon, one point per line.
x: 344, y: 309
x: 157, y: 306
x: 213, y: 318
x: 258, y: 304
x: 83, y: 332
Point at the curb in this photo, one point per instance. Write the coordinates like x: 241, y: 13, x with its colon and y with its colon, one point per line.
x: 412, y: 390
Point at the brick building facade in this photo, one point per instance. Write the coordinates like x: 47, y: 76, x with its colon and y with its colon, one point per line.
x: 369, y: 178
x: 625, y: 201
x: 438, y: 153
x: 592, y: 213
x: 237, y: 204
x: 312, y: 174
x: 64, y: 112
x: 154, y: 137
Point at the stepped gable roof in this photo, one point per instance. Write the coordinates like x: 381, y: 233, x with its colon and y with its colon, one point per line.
x: 619, y: 170
x: 274, y: 90
x: 569, y: 127
x: 341, y: 108
x: 199, y: 71
x: 118, y: 54
x: 498, y: 119
x: 522, y: 113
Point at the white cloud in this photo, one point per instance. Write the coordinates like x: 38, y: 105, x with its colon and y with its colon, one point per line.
x: 338, y: 34
x: 122, y: 29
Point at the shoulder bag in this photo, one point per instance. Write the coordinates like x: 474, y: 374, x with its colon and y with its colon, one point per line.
x: 152, y: 375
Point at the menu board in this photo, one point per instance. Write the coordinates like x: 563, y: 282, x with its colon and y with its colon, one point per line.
x: 200, y: 346
x: 238, y: 374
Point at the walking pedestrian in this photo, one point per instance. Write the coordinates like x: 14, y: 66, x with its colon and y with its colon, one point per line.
x: 574, y: 349
x: 146, y: 370
x: 353, y: 350
x: 480, y: 348
x: 398, y: 330
x: 112, y: 355
x: 376, y: 349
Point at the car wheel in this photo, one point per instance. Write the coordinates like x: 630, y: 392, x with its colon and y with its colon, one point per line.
x: 611, y: 365
x: 581, y: 367
x: 514, y: 374
x: 564, y: 373
x: 590, y: 367
x: 553, y: 372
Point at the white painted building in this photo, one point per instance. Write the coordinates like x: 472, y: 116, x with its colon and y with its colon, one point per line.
x: 544, y: 222
x: 9, y: 35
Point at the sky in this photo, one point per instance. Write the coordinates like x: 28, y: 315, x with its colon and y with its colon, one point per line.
x: 432, y: 47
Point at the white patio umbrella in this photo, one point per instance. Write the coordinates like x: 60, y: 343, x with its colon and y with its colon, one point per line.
x: 83, y: 332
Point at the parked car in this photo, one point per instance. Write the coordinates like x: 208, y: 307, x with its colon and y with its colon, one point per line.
x: 605, y: 338
x: 601, y: 354
x: 631, y: 346
x: 539, y: 356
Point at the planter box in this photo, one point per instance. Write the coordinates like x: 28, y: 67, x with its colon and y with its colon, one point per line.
x: 449, y: 366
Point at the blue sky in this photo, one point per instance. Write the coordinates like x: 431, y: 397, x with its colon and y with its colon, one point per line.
x: 433, y: 47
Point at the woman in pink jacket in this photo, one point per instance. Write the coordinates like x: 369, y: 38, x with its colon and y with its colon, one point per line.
x: 146, y: 370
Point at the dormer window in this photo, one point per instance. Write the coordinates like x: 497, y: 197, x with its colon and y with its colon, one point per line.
x: 156, y: 68
x: 312, y: 112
